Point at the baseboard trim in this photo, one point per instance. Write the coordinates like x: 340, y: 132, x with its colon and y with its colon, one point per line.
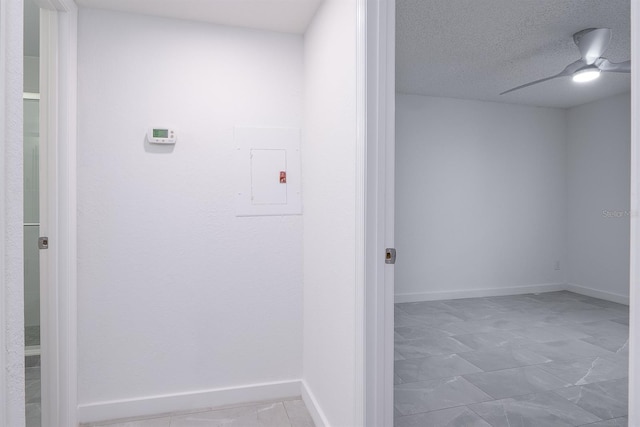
x: 477, y: 293
x: 309, y: 399
x: 32, y: 350
x: 189, y: 401
x: 595, y: 293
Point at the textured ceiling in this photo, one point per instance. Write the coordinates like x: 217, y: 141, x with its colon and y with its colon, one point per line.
x: 475, y: 49
x: 288, y: 16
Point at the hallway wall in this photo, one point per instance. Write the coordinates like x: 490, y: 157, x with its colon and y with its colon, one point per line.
x: 181, y: 303
x: 329, y: 190
x: 11, y: 220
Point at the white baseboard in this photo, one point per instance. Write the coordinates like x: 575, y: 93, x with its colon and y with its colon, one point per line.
x: 477, y: 293
x: 620, y: 299
x: 189, y: 401
x: 32, y: 350
x: 317, y: 415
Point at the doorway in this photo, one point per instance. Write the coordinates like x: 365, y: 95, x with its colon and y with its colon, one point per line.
x: 32, y: 259
x: 460, y: 252
x: 31, y: 213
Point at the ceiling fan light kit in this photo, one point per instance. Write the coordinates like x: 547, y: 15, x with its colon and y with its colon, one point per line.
x: 592, y: 43
x: 586, y: 74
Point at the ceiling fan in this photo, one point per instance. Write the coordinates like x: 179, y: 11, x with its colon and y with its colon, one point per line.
x: 592, y: 43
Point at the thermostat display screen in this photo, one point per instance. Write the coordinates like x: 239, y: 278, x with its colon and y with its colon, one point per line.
x: 161, y: 133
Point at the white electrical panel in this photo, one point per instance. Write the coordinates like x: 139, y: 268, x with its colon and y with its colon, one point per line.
x: 268, y: 165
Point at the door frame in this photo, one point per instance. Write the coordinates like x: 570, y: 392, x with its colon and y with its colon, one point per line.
x: 58, y: 127
x: 375, y: 195
x: 634, y: 274
x: 11, y: 216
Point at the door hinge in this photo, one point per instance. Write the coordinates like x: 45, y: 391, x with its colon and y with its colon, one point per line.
x: 390, y: 256
x: 43, y: 242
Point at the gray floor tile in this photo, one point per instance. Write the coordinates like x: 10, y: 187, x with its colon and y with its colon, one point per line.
x: 432, y: 395
x: 567, y: 306
x: 503, y: 358
x: 519, y: 302
x: 491, y: 325
x: 396, y: 414
x: 606, y: 399
x: 264, y: 415
x: 33, y: 415
x: 622, y: 353
x: 413, y: 370
x: 568, y: 350
x: 465, y: 304
x: 558, y: 296
x: 515, y: 382
x: 487, y: 340
x: 33, y: 391
x: 559, y: 341
x: 616, y: 422
x: 549, y: 333
x: 31, y: 335
x: 403, y: 319
x: 623, y: 321
x: 153, y: 422
x: 603, y: 303
x: 477, y: 314
x: 397, y: 379
x: 460, y: 416
x: 450, y: 328
x: 604, y: 328
x: 437, y: 318
x: 546, y: 320
x: 298, y: 414
x: 586, y: 371
x: 31, y: 361
x: 534, y: 410
x: 397, y: 356
x: 584, y: 316
x: 420, y: 331
x: 423, y: 307
x: 413, y: 349
x: 32, y: 373
x: 612, y: 343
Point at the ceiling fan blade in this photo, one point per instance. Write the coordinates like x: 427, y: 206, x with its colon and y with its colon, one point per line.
x: 569, y: 69
x: 613, y: 67
x: 592, y: 43
x: 532, y: 83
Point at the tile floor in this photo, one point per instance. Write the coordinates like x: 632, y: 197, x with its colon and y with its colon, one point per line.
x: 542, y: 360
x: 31, y: 336
x: 288, y: 413
x: 32, y: 390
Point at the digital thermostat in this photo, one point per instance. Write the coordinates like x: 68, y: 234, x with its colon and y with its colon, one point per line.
x: 161, y: 135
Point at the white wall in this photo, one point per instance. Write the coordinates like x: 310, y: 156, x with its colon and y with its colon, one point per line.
x: 480, y: 198
x: 176, y: 294
x: 11, y: 270
x: 598, y: 170
x: 328, y: 187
